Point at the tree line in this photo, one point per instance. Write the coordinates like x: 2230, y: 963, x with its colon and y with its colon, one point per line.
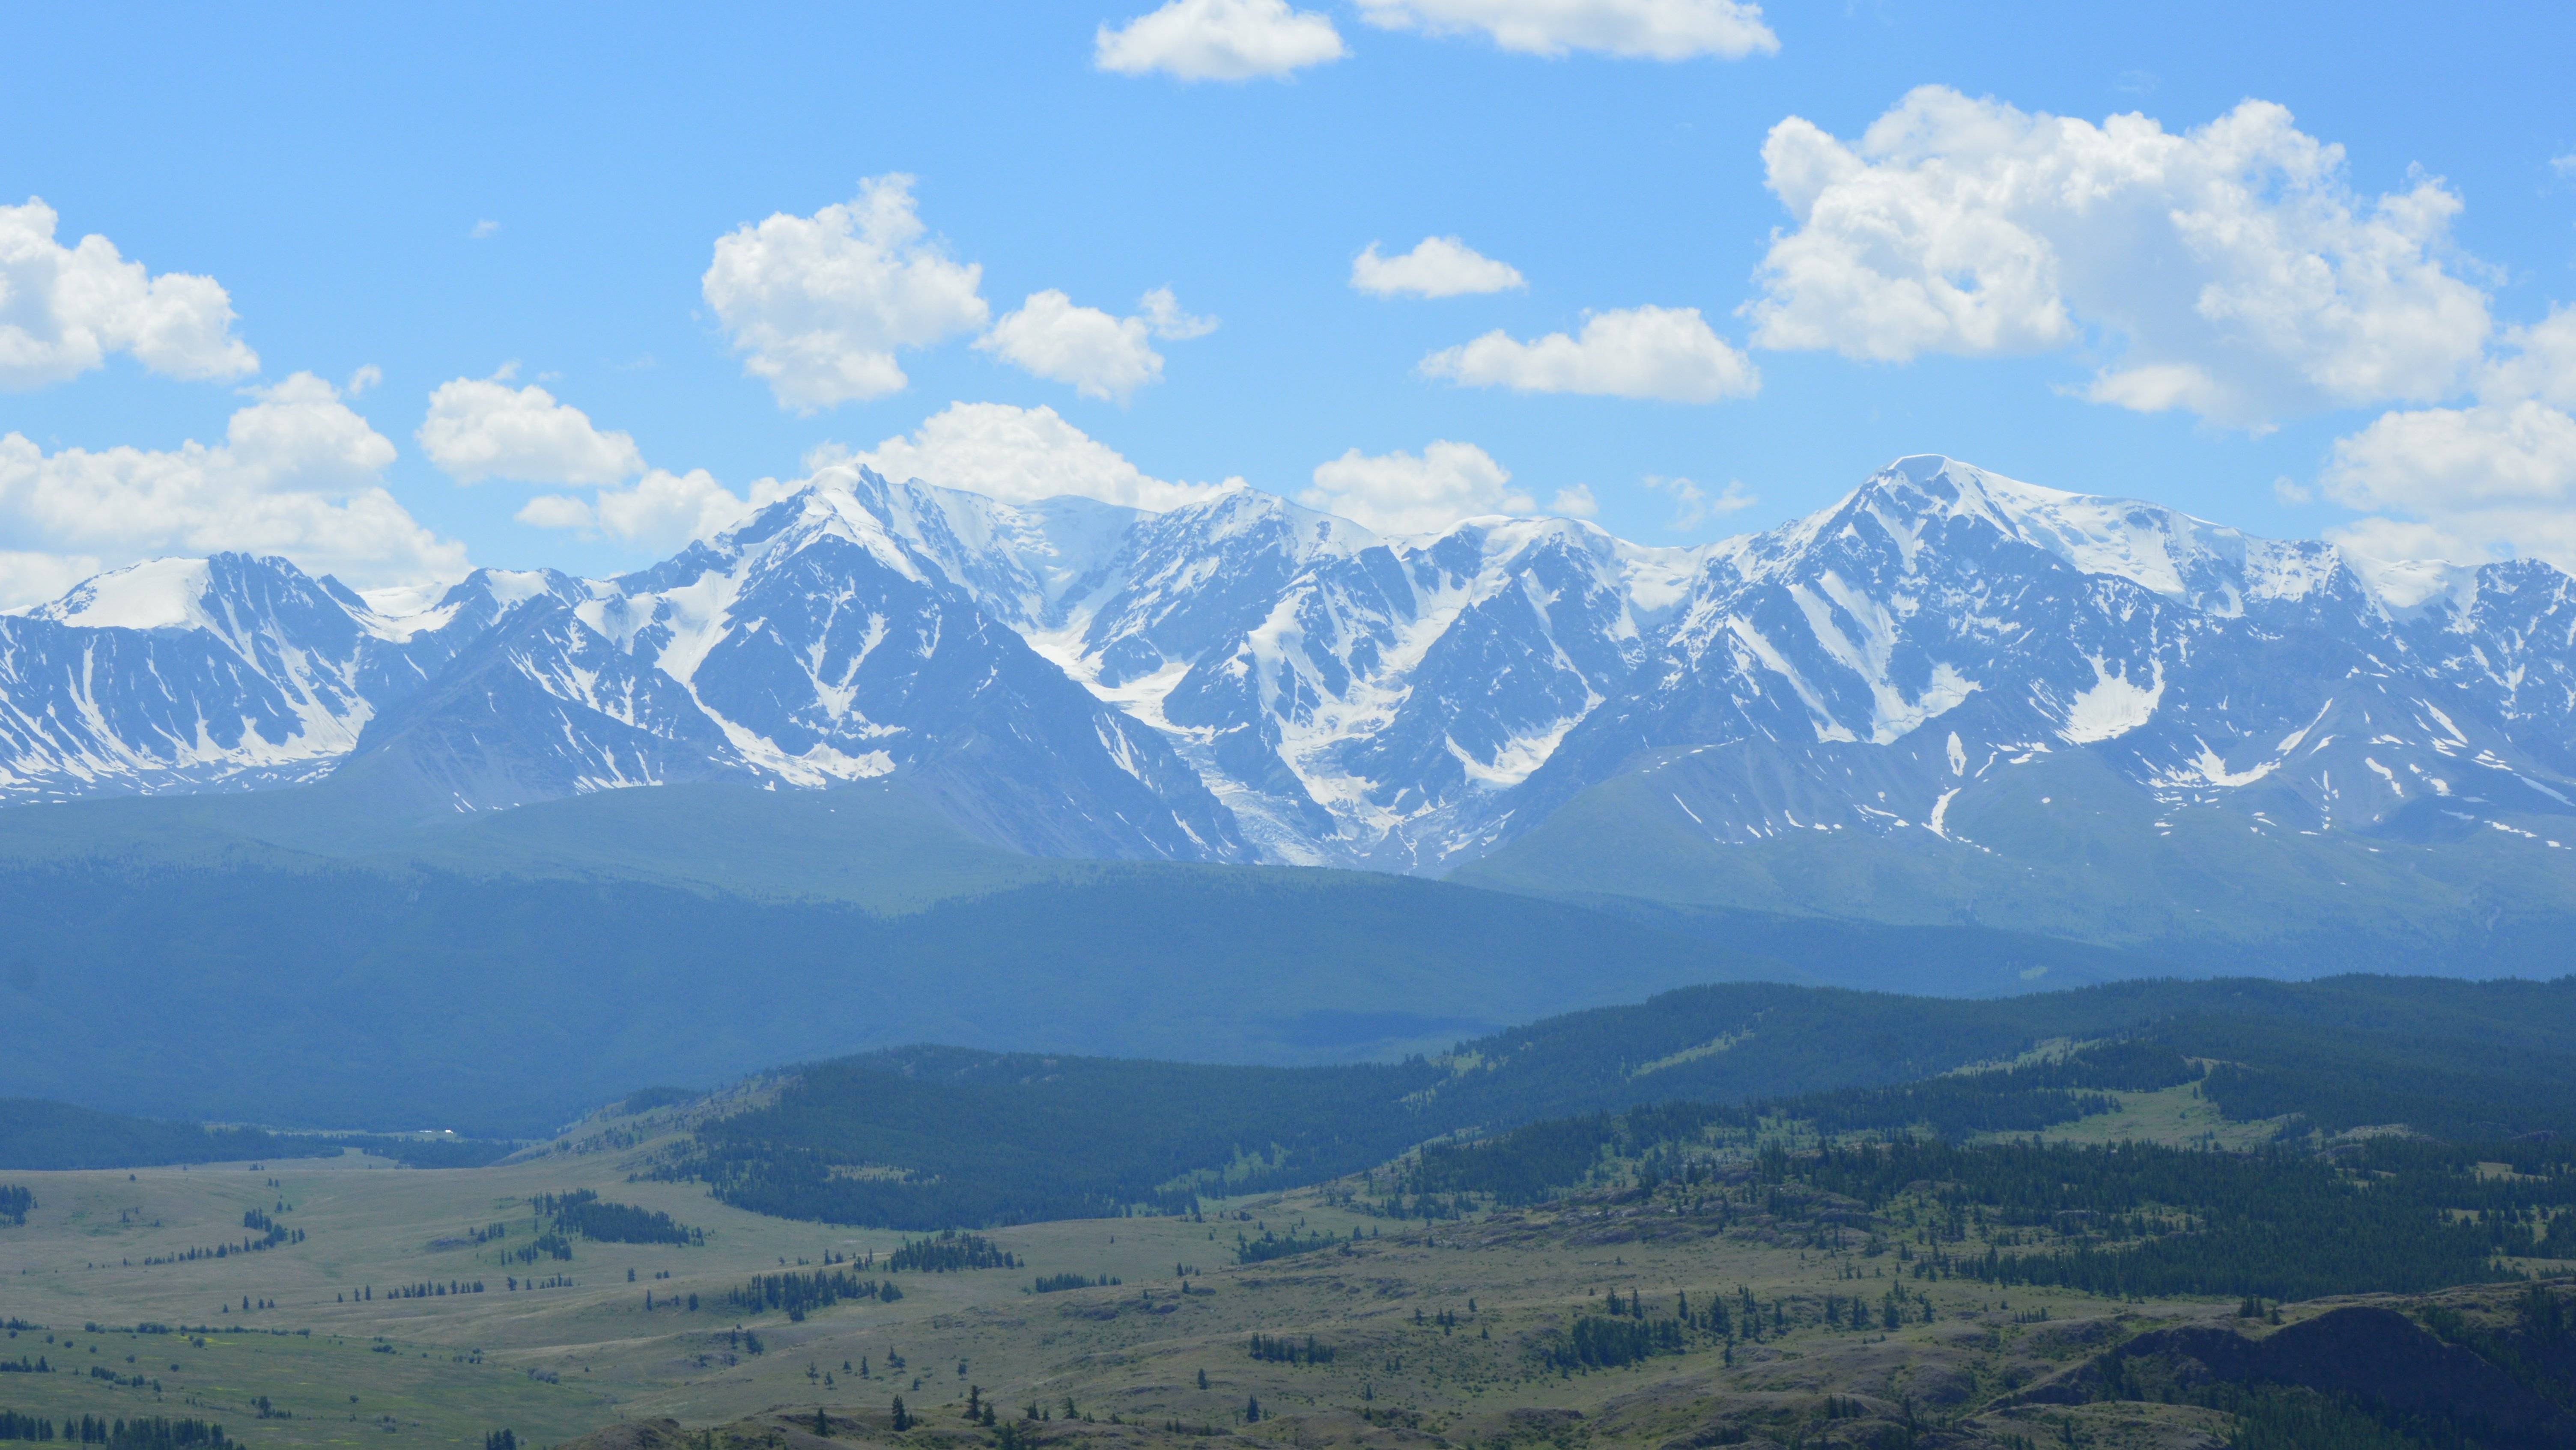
x: 799, y: 1293
x: 582, y: 1211
x: 155, y: 1433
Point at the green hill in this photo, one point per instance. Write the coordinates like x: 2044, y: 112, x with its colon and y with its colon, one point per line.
x: 957, y: 1137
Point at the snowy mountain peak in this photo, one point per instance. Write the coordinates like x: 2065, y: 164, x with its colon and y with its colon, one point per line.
x: 1246, y: 677
x: 2154, y: 547
x: 155, y: 594
x: 226, y: 594
x: 2416, y: 587
x: 1918, y: 502
x: 1239, y: 512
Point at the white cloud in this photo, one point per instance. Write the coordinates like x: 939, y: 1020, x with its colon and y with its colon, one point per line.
x: 660, y: 512
x: 2564, y: 165
x: 1017, y: 455
x: 1694, y: 506
x: 64, y: 310
x: 2407, y: 539
x: 1163, y: 310
x: 480, y: 428
x: 485, y: 229
x: 1405, y: 493
x: 558, y: 511
x: 2493, y: 478
x: 1100, y: 355
x: 1647, y: 29
x: 2458, y: 459
x: 820, y: 304
x: 1575, y: 503
x: 2541, y: 363
x: 297, y: 474
x: 2484, y: 481
x: 367, y: 376
x: 30, y: 578
x: 1436, y: 267
x: 1219, y: 40
x: 1644, y: 352
x: 2230, y: 270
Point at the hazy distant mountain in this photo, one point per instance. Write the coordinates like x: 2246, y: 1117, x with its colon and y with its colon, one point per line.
x: 1949, y: 697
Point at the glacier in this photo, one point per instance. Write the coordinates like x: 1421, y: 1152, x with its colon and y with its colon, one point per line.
x: 1245, y: 679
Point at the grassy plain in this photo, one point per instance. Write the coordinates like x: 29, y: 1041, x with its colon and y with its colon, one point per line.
x: 1435, y: 1327
x: 2178, y: 1117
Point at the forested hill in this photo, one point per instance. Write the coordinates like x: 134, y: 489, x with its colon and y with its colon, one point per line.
x: 317, y: 993
x: 991, y: 1138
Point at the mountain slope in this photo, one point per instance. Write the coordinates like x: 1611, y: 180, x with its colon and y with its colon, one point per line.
x: 275, y: 986
x: 1952, y: 698
x: 1956, y: 698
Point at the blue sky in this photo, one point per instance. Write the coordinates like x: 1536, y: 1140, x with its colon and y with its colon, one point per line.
x: 507, y: 198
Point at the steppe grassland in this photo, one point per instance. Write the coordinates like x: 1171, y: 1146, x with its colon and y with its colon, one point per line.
x: 553, y: 1362
x: 2178, y: 1117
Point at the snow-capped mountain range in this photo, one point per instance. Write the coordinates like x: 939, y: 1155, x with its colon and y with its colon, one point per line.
x: 1247, y: 680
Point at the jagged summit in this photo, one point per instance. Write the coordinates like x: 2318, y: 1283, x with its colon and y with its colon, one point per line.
x: 1247, y: 678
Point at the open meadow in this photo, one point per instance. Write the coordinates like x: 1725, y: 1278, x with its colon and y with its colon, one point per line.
x: 405, y: 1305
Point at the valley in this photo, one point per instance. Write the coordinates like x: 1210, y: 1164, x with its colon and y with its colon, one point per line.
x: 1447, y: 1330
x: 1259, y: 725
x: 2020, y: 1234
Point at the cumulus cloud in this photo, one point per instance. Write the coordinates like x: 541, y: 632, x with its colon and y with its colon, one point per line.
x: 1407, y: 493
x: 31, y: 578
x: 1575, y: 503
x: 1099, y: 355
x: 2492, y: 478
x: 1436, y: 267
x: 1644, y: 29
x: 2230, y: 270
x: 1163, y: 310
x: 1017, y: 455
x: 298, y: 473
x: 819, y: 305
x: 481, y: 428
x: 65, y: 310
x: 1644, y: 352
x: 1219, y: 40
x: 2463, y: 460
x: 2537, y: 361
x: 1693, y: 506
x: 660, y: 511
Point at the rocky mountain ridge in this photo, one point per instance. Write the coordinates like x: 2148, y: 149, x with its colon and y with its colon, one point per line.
x: 1248, y: 680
